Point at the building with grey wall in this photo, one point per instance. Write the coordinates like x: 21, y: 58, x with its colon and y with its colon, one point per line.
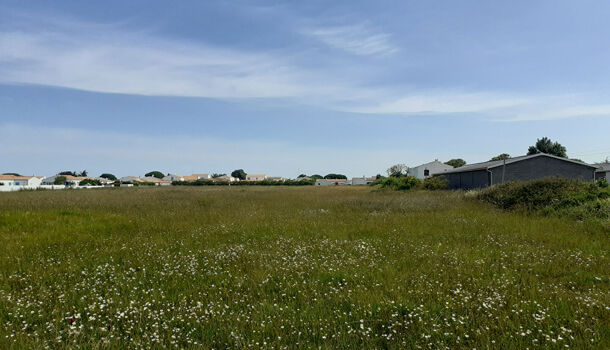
x: 603, y: 171
x: 532, y: 167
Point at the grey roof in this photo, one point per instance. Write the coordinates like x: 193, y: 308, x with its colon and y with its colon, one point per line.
x: 497, y: 163
x: 603, y: 167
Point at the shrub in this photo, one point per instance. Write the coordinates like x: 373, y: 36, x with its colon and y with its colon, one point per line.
x: 398, y: 183
x: 435, y: 183
x: 603, y: 183
x: 59, y: 180
x: 90, y: 182
x: 552, y: 196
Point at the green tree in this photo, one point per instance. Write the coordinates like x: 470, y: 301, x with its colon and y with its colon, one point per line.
x: 239, y: 174
x: 14, y: 174
x: 501, y: 157
x: 90, y: 182
x: 335, y: 176
x: 83, y: 173
x: 456, y: 162
x: 316, y: 177
x: 302, y: 175
x: 397, y: 170
x: 546, y: 145
x: 157, y: 174
x: 108, y: 176
x: 59, y: 180
x: 217, y: 175
x: 67, y: 173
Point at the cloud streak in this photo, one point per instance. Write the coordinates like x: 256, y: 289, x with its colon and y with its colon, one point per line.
x: 111, y: 58
x: 355, y: 39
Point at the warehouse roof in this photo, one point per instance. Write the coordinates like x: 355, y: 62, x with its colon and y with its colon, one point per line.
x: 497, y: 163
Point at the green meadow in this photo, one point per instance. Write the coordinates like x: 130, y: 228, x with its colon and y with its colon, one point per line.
x: 295, y: 267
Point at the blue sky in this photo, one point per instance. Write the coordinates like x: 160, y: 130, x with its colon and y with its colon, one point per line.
x: 285, y: 88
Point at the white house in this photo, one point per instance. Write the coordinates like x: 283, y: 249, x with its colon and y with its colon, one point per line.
x: 156, y: 181
x: 256, y: 177
x: 426, y: 170
x: 130, y: 179
x: 173, y: 177
x: 195, y: 177
x: 276, y: 178
x: 22, y: 181
x: 69, y: 180
x: 332, y: 182
x: 225, y: 178
x: 363, y: 180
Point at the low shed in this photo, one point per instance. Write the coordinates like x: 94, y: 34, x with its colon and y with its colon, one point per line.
x: 603, y: 171
x: 531, y: 167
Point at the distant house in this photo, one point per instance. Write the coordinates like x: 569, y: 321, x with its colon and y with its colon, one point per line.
x: 130, y: 179
x: 276, y: 178
x: 603, y: 171
x: 426, y: 170
x: 156, y: 181
x: 148, y: 179
x: 256, y: 177
x: 173, y: 177
x: 195, y: 177
x: 69, y: 180
x: 332, y: 182
x: 362, y: 180
x: 104, y: 181
x: 22, y: 181
x: 225, y: 178
x: 532, y: 167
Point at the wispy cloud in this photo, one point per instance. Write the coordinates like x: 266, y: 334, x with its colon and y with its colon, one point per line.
x: 554, y: 112
x: 136, y: 64
x: 443, y: 102
x: 355, y: 39
x: 114, y: 58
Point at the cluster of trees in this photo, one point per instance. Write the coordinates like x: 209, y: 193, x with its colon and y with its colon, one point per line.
x: 314, y: 176
x: 157, y: 174
x: 74, y: 173
x: 546, y: 145
x: 90, y: 182
x: 239, y: 174
x: 108, y: 176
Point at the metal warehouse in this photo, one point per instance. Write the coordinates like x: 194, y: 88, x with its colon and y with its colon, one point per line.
x: 523, y: 168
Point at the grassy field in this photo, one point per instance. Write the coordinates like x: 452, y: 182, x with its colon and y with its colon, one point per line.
x: 295, y: 268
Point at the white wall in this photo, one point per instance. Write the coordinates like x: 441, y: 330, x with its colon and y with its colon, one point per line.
x: 432, y: 167
x: 18, y: 188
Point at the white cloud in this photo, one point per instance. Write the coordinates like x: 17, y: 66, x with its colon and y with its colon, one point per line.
x: 113, y: 59
x: 559, y: 112
x: 141, y: 65
x: 355, y: 39
x: 443, y: 103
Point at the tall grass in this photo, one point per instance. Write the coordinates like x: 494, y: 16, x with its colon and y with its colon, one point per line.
x: 289, y: 267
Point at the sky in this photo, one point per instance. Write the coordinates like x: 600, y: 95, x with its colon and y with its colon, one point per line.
x: 291, y: 87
